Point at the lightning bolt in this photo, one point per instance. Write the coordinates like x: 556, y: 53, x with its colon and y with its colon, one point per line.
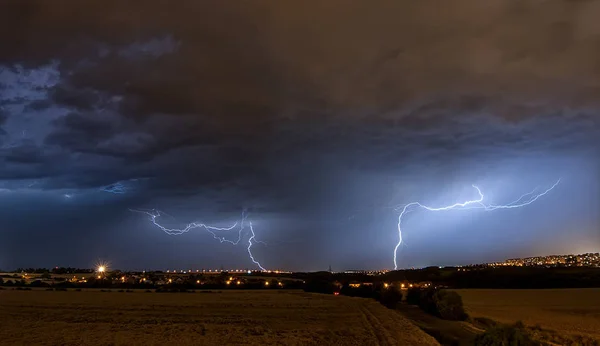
x: 522, y: 201
x: 253, y: 237
x: 154, y: 214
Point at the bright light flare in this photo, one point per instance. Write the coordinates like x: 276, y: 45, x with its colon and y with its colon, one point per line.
x: 101, y: 267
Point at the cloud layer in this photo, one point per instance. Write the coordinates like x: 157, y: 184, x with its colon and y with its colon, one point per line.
x: 270, y: 104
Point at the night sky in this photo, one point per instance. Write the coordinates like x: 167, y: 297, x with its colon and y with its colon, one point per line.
x: 316, y: 117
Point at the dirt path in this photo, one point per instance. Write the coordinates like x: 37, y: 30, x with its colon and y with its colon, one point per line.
x: 389, y: 327
x: 382, y: 335
x: 446, y: 332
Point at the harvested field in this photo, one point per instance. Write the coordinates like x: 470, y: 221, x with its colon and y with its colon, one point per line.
x: 217, y: 318
x: 571, y: 311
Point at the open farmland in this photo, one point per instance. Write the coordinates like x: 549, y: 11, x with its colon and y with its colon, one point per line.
x: 570, y: 311
x: 228, y: 317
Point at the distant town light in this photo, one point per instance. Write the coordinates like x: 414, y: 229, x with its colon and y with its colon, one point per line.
x: 101, y: 269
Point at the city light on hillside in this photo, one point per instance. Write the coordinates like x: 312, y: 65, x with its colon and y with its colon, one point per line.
x: 101, y: 267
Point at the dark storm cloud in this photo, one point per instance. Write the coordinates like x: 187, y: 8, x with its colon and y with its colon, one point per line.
x: 3, y: 117
x: 267, y: 103
x: 80, y: 132
x: 25, y: 153
x: 225, y: 80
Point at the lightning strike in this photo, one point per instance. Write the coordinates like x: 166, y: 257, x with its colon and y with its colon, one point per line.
x: 154, y: 214
x: 522, y: 201
x: 253, y: 237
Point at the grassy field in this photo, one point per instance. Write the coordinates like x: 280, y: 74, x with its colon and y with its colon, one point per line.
x: 570, y: 311
x: 217, y: 318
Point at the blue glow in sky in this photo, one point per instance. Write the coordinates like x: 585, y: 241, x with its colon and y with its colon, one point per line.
x: 317, y: 122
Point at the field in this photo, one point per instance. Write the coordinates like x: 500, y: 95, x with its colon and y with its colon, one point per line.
x: 570, y: 311
x: 200, y: 318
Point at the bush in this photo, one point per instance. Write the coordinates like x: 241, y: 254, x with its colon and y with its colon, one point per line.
x: 319, y: 286
x: 444, y: 304
x: 390, y: 297
x: 505, y: 335
x: 427, y: 301
x: 449, y: 306
x: 39, y: 283
x: 362, y: 291
x: 413, y: 296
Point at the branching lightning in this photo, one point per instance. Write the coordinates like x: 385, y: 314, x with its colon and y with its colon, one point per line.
x: 522, y: 201
x: 253, y: 237
x: 154, y: 214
